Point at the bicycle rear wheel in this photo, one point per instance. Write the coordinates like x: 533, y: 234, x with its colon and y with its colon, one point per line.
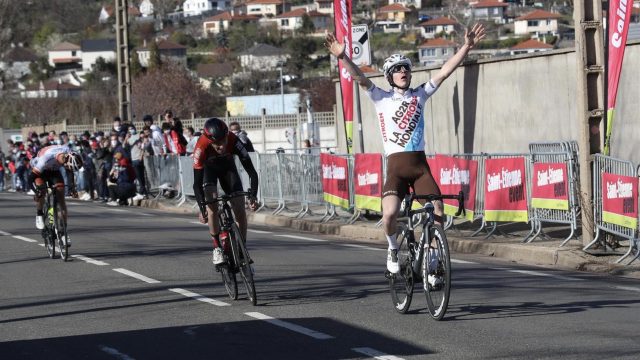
x: 61, y: 236
x: 229, y: 281
x: 436, y: 273
x: 48, y: 233
x: 401, y: 284
x: 244, y: 264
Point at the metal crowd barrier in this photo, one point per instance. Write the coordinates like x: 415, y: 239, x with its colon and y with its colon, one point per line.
x: 312, y: 191
x: 556, y: 153
x: 270, y: 182
x: 610, y: 165
x: 163, y: 173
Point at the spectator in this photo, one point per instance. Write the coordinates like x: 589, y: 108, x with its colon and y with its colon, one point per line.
x: 157, y: 140
x: 171, y: 140
x: 118, y: 127
x: 2, y: 171
x: 87, y: 174
x: 234, y: 127
x: 120, y: 181
x: 191, y: 145
x: 147, y: 120
x: 137, y: 160
x: 103, y: 163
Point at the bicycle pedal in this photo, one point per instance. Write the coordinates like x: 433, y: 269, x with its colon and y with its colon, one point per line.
x: 389, y: 275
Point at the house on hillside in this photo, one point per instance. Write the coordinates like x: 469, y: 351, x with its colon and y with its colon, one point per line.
x: 430, y: 28
x: 489, y: 10
x: 406, y: 3
x: 436, y: 51
x: 146, y: 8
x: 218, y: 75
x: 324, y: 6
x: 538, y: 23
x: 169, y: 51
x: 292, y: 20
x: 224, y: 21
x: 65, y: 57
x: 529, y: 46
x: 262, y: 57
x: 15, y: 62
x: 392, y: 12
x: 50, y: 89
x: 97, y: 48
x: 260, y: 8
x: 199, y: 7
x: 107, y: 12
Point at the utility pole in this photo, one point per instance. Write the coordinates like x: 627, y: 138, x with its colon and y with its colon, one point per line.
x: 122, y: 56
x: 589, y: 45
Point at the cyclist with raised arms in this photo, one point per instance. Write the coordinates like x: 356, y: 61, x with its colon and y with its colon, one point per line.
x: 400, y: 112
x: 212, y: 162
x: 46, y: 167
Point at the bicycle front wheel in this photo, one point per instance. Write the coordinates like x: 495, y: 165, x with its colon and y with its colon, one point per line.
x: 244, y: 264
x: 229, y: 281
x: 436, y: 273
x: 48, y: 233
x: 401, y: 284
x: 62, y: 237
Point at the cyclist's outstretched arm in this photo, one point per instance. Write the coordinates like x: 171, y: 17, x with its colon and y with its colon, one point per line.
x: 471, y: 37
x: 338, y: 50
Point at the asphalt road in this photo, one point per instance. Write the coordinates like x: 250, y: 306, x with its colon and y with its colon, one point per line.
x: 141, y: 286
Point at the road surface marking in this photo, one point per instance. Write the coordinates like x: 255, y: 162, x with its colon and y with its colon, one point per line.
x: 24, y: 238
x: 537, y: 273
x: 136, y: 275
x: 4, y: 233
x: 117, y: 210
x: 198, y: 297
x: 375, y: 353
x: 462, y: 261
x: 302, y: 238
x: 196, y: 222
x: 116, y: 353
x: 89, y: 260
x: 260, y: 231
x: 293, y: 327
x: 630, y: 288
x: 41, y: 245
x: 362, y: 247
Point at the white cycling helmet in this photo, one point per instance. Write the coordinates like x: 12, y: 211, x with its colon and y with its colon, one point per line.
x: 393, y: 60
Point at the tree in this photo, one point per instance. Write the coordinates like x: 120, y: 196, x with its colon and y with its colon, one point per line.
x: 155, y: 61
x: 135, y: 66
x: 222, y: 40
x: 300, y: 49
x: 307, y: 26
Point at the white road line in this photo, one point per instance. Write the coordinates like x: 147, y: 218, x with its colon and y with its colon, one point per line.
x: 89, y: 260
x: 293, y: 327
x: 25, y: 239
x: 196, y: 222
x: 362, y: 247
x: 375, y: 354
x: 4, y: 233
x: 260, y: 231
x: 115, y: 352
x: 302, y: 238
x: 199, y: 297
x: 117, y: 210
x: 144, y: 214
x: 630, y: 288
x: 537, y: 273
x: 462, y: 261
x: 41, y: 245
x: 137, y: 276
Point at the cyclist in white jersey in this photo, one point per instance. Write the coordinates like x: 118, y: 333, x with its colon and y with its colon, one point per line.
x: 46, y: 169
x: 400, y: 112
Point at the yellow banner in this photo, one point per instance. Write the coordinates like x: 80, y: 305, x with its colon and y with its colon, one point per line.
x: 555, y: 204
x: 348, y: 126
x: 369, y: 202
x: 506, y: 215
x: 451, y: 210
x: 617, y: 219
x: 332, y: 199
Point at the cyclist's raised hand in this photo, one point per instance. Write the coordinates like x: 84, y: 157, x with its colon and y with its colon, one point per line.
x: 333, y: 45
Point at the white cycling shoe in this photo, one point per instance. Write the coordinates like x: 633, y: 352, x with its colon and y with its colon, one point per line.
x: 39, y: 222
x: 218, y: 256
x: 392, y: 261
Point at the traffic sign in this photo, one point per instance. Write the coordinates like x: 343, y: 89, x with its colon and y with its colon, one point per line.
x: 360, y: 50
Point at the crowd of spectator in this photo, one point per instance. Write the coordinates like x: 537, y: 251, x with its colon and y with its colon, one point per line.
x: 114, y: 170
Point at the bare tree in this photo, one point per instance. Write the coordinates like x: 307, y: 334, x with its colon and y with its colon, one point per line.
x: 7, y: 11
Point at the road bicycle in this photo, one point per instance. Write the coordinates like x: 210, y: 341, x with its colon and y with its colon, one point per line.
x: 55, y: 226
x: 431, y: 267
x: 238, y: 259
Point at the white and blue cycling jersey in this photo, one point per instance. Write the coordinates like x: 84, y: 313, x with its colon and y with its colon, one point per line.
x: 401, y: 117
x: 46, y: 159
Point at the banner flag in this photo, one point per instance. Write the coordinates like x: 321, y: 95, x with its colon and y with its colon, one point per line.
x: 342, y: 22
x: 619, y: 16
x: 550, y: 188
x: 453, y: 175
x: 368, y: 178
x: 505, y: 190
x: 619, y: 195
x: 335, y: 180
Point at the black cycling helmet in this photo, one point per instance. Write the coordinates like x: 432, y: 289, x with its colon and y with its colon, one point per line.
x: 215, y: 129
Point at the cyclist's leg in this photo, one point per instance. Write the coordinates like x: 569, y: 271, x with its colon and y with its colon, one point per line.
x: 426, y: 184
x: 231, y: 183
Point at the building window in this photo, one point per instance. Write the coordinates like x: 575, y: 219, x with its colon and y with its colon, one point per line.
x: 532, y: 23
x: 284, y: 22
x: 429, y: 52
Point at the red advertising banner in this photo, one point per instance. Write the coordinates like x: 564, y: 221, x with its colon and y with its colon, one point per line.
x: 453, y: 175
x: 619, y: 16
x: 550, y: 188
x: 619, y: 196
x: 505, y: 190
x: 368, y: 181
x: 335, y: 179
x: 342, y: 22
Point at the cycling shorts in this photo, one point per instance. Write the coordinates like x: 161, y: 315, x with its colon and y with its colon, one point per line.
x: 226, y: 173
x: 406, y: 169
x: 52, y: 177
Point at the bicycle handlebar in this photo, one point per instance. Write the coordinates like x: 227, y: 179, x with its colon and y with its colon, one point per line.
x: 227, y: 197
x: 433, y: 197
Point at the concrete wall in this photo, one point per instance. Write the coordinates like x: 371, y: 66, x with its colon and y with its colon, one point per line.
x: 503, y: 105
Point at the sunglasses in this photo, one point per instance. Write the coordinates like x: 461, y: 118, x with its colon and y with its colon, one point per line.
x: 399, y: 68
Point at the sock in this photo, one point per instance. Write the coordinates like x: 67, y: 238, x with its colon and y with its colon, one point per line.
x: 216, y: 240
x: 39, y: 213
x: 391, y: 239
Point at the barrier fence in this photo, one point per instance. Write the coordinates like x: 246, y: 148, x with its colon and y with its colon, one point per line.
x: 540, y: 188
